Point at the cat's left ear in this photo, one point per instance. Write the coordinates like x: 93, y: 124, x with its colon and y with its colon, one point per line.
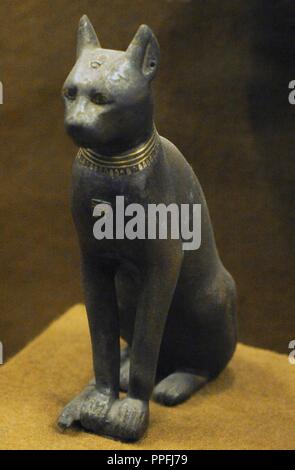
x: 86, y: 36
x: 144, y: 51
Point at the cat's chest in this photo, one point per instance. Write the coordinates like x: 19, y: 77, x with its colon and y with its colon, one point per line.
x: 90, y: 188
x: 101, y: 208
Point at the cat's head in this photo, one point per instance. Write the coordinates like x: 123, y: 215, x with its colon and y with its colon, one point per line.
x: 107, y: 94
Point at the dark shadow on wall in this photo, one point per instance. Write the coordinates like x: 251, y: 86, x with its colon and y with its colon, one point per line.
x: 272, y: 120
x: 235, y: 125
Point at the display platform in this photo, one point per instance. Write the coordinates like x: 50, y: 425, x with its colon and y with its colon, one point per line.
x: 250, y: 406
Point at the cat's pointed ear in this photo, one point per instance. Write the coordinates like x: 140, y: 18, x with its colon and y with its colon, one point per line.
x: 86, y: 36
x: 144, y: 51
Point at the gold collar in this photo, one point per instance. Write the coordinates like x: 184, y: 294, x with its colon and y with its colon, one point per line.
x: 124, y: 163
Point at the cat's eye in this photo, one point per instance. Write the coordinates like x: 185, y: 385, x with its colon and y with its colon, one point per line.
x: 70, y: 93
x: 100, y: 98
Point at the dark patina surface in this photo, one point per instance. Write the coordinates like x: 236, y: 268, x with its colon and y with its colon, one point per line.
x: 174, y: 308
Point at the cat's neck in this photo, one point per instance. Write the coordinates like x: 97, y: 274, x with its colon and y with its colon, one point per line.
x: 126, y: 143
x: 133, y: 160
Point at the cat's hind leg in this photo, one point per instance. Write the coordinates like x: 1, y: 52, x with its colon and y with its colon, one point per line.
x: 178, y: 387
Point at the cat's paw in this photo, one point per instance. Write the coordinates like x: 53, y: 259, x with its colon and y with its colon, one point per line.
x: 94, y: 410
x: 71, y: 412
x: 127, y: 419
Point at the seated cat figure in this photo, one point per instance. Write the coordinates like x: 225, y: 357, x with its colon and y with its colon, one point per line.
x: 175, y: 308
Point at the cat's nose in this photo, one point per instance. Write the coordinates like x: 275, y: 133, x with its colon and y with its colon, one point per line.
x: 78, y: 120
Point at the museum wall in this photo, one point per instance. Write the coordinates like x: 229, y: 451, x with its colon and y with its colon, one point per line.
x: 221, y: 96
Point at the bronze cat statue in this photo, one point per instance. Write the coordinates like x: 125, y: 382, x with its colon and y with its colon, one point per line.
x: 175, y: 308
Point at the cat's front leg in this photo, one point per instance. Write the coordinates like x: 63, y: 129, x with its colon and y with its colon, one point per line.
x: 128, y: 419
x: 91, y: 407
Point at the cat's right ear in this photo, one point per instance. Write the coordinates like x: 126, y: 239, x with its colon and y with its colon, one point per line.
x: 144, y: 51
x: 86, y: 35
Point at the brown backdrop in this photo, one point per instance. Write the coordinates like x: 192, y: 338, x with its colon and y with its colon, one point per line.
x: 221, y: 97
